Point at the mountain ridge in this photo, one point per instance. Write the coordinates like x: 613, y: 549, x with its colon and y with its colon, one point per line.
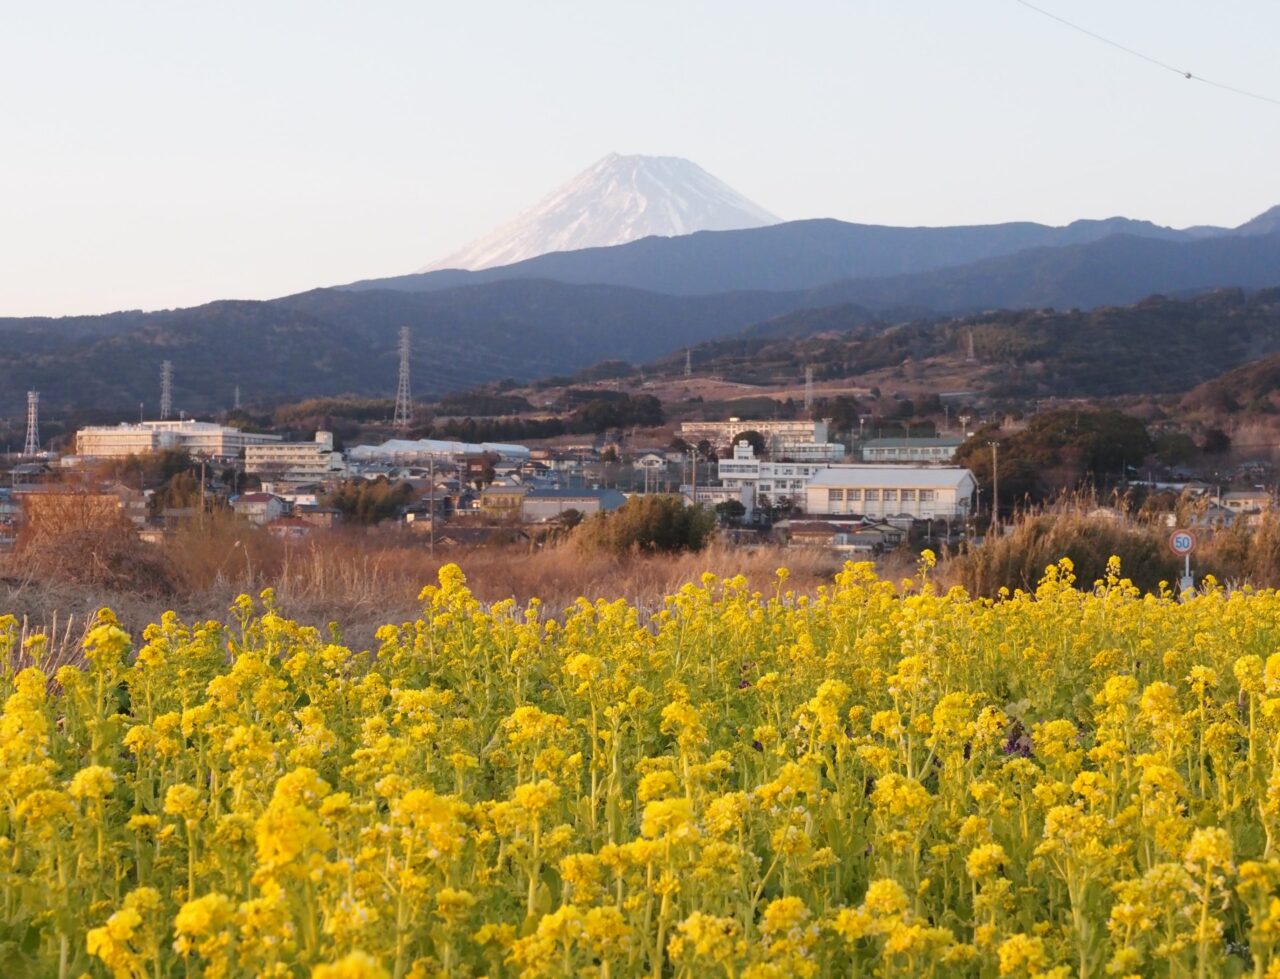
x: 785, y: 256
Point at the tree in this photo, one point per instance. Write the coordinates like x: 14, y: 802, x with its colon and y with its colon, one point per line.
x: 757, y: 441
x: 1216, y: 441
x: 731, y: 511
x: 1057, y: 450
x: 370, y: 502
x: 649, y: 524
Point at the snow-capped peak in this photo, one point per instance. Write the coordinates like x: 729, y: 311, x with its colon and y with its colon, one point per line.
x: 618, y: 199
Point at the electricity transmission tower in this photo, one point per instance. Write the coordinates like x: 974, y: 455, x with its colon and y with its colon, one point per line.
x: 166, y: 390
x: 32, y: 446
x: 403, y: 408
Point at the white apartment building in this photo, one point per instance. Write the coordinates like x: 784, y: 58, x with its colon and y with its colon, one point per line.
x: 143, y: 438
x: 803, y: 440
x: 766, y: 480
x: 295, y: 460
x: 919, y: 492
x: 942, y: 449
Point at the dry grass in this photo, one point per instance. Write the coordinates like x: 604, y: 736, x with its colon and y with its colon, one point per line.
x: 364, y: 580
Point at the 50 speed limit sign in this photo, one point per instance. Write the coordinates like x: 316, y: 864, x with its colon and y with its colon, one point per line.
x: 1182, y: 542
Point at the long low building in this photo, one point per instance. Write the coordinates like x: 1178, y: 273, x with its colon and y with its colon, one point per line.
x: 919, y: 492
x: 413, y: 450
x: 144, y: 438
x: 940, y: 449
x: 547, y: 504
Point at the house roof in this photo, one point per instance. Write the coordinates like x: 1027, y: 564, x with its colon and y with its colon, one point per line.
x: 255, y: 498
x: 877, y: 477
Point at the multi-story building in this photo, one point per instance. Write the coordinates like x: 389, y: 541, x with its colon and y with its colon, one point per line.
x: 294, y: 460
x: 801, y: 440
x: 766, y: 481
x: 878, y: 491
x: 941, y: 449
x: 204, y: 439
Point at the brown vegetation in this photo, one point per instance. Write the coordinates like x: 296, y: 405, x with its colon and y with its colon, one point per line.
x: 1236, y: 556
x: 365, y: 579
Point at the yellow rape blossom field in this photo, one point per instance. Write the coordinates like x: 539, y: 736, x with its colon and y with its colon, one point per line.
x: 876, y: 779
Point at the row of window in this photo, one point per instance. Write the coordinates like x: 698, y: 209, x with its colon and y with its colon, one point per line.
x: 912, y: 452
x: 875, y: 495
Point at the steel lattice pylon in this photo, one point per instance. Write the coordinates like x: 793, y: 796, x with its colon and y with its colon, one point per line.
x: 32, y: 446
x: 166, y: 390
x: 404, y: 408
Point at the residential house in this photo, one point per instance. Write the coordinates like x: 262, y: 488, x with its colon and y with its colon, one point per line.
x: 290, y: 528
x: 259, y: 508
x: 502, y: 500
x: 325, y: 517
x: 1247, y: 501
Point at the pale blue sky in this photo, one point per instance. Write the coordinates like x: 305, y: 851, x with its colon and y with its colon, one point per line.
x: 166, y: 153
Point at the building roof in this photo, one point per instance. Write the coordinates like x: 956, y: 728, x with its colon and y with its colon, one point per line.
x: 573, y: 493
x: 877, y: 477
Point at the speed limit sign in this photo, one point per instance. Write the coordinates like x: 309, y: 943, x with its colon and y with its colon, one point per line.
x: 1182, y: 542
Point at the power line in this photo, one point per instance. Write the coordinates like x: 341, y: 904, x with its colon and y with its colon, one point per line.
x: 1146, y: 57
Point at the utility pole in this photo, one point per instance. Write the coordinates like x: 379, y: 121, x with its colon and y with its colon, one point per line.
x: 431, y: 469
x: 995, y: 486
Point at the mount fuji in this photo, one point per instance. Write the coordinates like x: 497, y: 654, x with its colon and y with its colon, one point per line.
x: 616, y: 200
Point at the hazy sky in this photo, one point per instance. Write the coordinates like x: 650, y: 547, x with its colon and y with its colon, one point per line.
x: 166, y: 153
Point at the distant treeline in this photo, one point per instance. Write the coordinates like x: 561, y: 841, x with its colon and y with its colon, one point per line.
x: 600, y: 414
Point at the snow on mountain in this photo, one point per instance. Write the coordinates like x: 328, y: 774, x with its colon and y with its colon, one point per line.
x: 619, y: 199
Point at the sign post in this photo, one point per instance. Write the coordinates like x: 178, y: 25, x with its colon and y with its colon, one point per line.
x: 1182, y: 543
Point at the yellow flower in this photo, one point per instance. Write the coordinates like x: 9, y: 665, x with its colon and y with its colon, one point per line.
x: 93, y: 782
x: 353, y: 965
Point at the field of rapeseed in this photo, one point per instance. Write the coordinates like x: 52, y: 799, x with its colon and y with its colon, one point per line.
x: 879, y: 779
